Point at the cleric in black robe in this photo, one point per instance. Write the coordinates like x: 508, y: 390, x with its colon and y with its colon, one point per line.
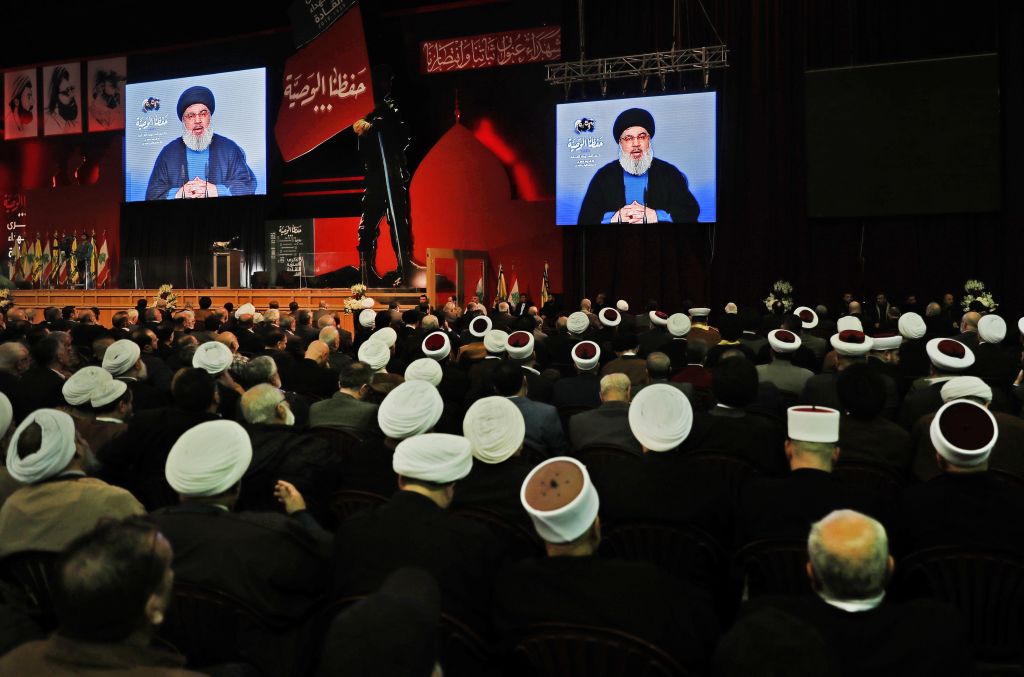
x: 637, y: 187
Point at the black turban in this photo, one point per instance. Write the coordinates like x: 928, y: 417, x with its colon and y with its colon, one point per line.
x: 194, y: 95
x: 632, y: 117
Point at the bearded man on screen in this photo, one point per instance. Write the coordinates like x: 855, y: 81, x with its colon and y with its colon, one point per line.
x: 638, y: 187
x: 199, y: 163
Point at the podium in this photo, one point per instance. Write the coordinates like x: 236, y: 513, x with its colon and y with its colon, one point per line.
x: 227, y: 269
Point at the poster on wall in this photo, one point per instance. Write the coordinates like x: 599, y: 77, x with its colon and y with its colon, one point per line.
x: 105, y: 93
x: 63, y: 94
x: 20, y: 119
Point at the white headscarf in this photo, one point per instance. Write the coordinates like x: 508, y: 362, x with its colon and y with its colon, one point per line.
x: 495, y: 427
x: 208, y: 459
x: 55, y: 452
x: 412, y: 408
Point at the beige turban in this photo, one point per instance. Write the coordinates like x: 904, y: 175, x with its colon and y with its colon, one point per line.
x: 992, y: 329
x: 385, y: 335
x: 494, y: 341
x: 245, y: 309
x: 208, y: 459
x: 433, y: 457
x: 78, y: 388
x: 577, y: 322
x: 367, y: 318
x: 375, y: 354
x: 495, y: 427
x: 412, y: 408
x: 911, y: 326
x: 679, y: 324
x: 55, y: 452
x: 424, y: 369
x: 965, y: 386
x: 121, y: 356
x: 105, y: 393
x: 213, y: 357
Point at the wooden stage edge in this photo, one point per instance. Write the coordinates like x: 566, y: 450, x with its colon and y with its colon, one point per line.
x: 111, y: 300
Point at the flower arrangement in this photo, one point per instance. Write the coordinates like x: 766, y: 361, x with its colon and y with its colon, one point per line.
x: 974, y: 290
x: 354, y: 303
x: 165, y: 297
x: 782, y: 292
x: 6, y: 300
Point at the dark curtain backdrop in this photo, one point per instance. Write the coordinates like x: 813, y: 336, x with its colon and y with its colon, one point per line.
x: 163, y: 234
x: 763, y: 232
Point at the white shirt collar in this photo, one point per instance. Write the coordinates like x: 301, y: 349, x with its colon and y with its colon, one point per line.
x: 854, y: 605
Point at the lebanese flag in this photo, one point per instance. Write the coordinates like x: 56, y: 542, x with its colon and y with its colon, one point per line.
x: 103, y: 264
x: 326, y: 87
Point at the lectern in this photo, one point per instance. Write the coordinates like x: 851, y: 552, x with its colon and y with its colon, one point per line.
x: 227, y: 269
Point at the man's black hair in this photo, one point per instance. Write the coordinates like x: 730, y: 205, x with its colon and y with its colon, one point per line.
x: 193, y: 390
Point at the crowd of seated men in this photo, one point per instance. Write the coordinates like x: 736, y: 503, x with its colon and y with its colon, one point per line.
x: 465, y: 490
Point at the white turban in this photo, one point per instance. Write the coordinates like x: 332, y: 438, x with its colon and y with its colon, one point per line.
x: 208, y: 459
x: 494, y: 341
x: 852, y: 343
x: 245, y: 309
x: 367, y: 318
x: 992, y: 329
x: 660, y: 417
x: 783, y: 341
x: 886, y: 341
x: 6, y: 414
x: 433, y: 457
x: 367, y: 302
x: 424, y: 369
x: 55, y: 452
x: 622, y: 305
x: 848, y: 322
x: 808, y: 318
x: 519, y: 345
x: 679, y: 324
x: 80, y: 385
x: 385, y: 335
x: 577, y: 322
x: 375, y: 354
x: 911, y: 326
x: 696, y: 313
x: 105, y: 393
x: 213, y: 357
x: 807, y: 423
x: 561, y: 506
x: 495, y: 427
x: 480, y: 325
x: 121, y: 356
x: 412, y: 408
x: 609, y: 317
x: 949, y: 354
x: 964, y: 433
x: 965, y: 386
x: 436, y: 345
x: 586, y: 355
x: 658, y: 318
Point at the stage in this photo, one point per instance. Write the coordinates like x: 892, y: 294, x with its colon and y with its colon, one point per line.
x: 110, y: 301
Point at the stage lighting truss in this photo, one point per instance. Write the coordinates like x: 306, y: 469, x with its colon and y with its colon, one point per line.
x: 641, y: 66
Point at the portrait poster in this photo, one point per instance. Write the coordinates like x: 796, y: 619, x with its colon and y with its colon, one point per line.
x: 62, y: 99
x: 104, y: 94
x: 20, y: 104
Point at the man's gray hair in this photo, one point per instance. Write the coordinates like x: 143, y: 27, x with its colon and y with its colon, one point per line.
x: 503, y: 307
x: 330, y: 336
x: 259, y: 403
x: 326, y: 320
x: 429, y: 322
x: 272, y: 315
x: 932, y: 309
x: 615, y: 383
x: 10, y: 353
x: 259, y: 369
x: 287, y: 322
x: 857, y: 568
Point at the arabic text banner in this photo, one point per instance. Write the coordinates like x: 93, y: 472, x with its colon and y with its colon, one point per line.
x: 509, y: 48
x: 151, y: 122
x: 326, y: 87
x: 685, y: 136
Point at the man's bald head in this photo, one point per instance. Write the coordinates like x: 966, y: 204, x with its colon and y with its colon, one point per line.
x: 228, y: 339
x: 854, y: 307
x: 659, y: 365
x: 969, y: 322
x: 317, y: 351
x: 849, y: 556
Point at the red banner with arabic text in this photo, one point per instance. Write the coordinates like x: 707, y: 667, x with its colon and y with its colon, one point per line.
x: 327, y: 87
x: 509, y: 48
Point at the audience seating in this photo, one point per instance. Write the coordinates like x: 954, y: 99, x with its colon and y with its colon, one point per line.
x: 557, y: 650
x: 522, y: 542
x: 33, y: 574
x: 773, y: 567
x: 348, y: 502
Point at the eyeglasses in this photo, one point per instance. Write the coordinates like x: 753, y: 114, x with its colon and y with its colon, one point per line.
x: 629, y: 138
x: 203, y: 115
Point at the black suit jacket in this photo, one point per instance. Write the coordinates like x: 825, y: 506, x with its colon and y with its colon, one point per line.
x: 411, y: 530
x: 667, y: 189
x: 495, y: 487
x: 606, y: 426
x: 582, y: 390
x: 41, y: 388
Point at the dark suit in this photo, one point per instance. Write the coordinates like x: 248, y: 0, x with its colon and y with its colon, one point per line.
x: 751, y: 437
x: 924, y: 399
x: 41, y: 387
x: 633, y: 366
x: 1006, y: 455
x: 877, y: 441
x: 582, y: 390
x: 635, y: 597
x: 655, y: 340
x: 345, y: 412
x: 495, y: 487
x: 970, y: 510
x: 411, y: 530
x: 543, y: 427
x: 310, y: 379
x: 922, y: 638
x: 606, y: 426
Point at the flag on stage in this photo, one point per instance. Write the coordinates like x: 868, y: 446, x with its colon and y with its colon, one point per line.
x: 513, y: 296
x: 502, y: 291
x: 62, y: 270
x: 54, y: 259
x: 103, y: 263
x: 27, y: 257
x: 73, y: 272
x: 545, y: 287
x: 47, y: 262
x: 37, y: 260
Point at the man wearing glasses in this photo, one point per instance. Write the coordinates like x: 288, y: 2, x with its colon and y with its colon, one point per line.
x: 200, y: 163
x: 638, y: 187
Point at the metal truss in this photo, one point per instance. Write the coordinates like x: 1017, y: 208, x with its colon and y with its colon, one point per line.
x: 639, y: 66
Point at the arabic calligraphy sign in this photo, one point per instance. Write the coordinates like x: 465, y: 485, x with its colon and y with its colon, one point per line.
x: 290, y: 247
x: 510, y: 48
x: 327, y: 87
